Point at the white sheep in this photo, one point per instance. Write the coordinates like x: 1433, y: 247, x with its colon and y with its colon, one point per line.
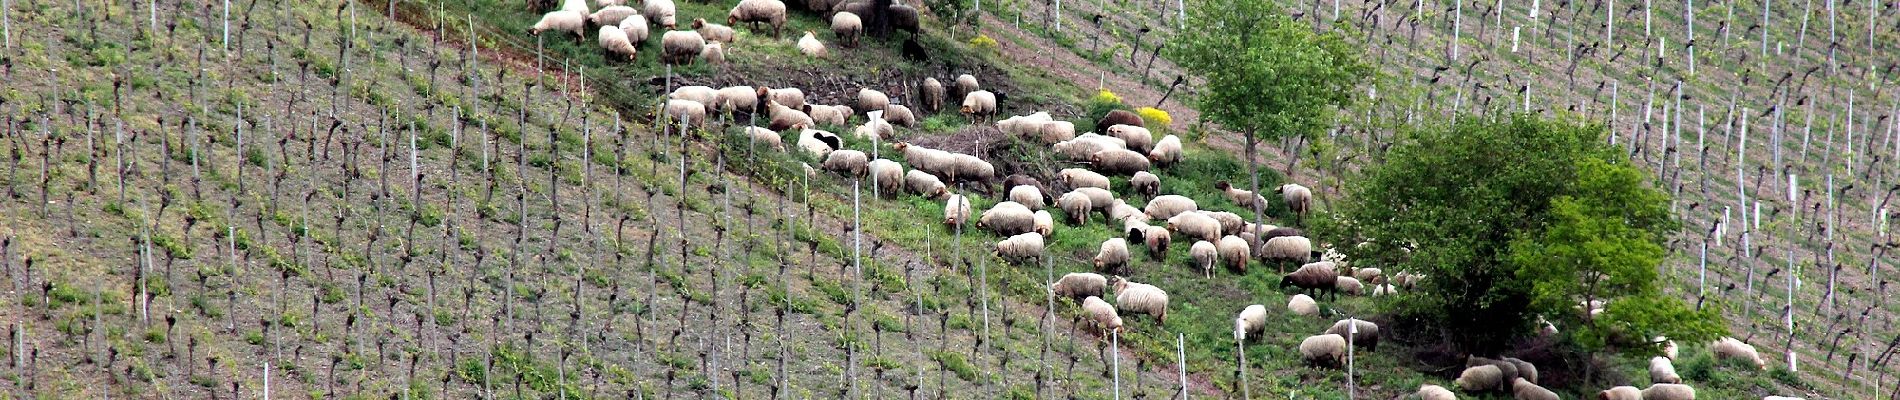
x: 924, y: 184
x: 887, y: 175
x: 1434, y: 392
x: 1145, y: 183
x: 736, y: 98
x: 871, y: 99
x: 1157, y: 240
x: 1081, y: 147
x: 1728, y: 347
x: 1384, y: 290
x: 1008, y: 218
x: 1119, y: 210
x: 1141, y: 298
x: 966, y: 84
x: 1327, y: 350
x: 1251, y: 321
x: 702, y: 94
x: 979, y: 105
x: 817, y: 143
x: 810, y: 46
x: 852, y: 163
x: 782, y: 117
x: 1481, y: 378
x: 714, y: 32
x: 1028, y: 195
x: 612, y: 15
x: 956, y: 210
x: 660, y: 12
x: 1349, y: 285
x: 636, y: 28
x: 1525, y: 369
x: 1113, y: 255
x: 1230, y: 223
x: 1045, y: 223
x: 680, y: 47
x: 848, y: 27
x: 900, y: 115
x: 1369, y: 275
x: 1197, y: 226
x: 1364, y: 333
x: 1298, y: 198
x: 1233, y: 252
x: 936, y: 162
x: 1167, y: 151
x: 770, y: 12
x: 693, y: 112
x: 790, y: 97
x: 1168, y: 206
x: 1205, y: 255
x: 829, y: 115
x: 932, y: 91
x: 564, y: 21
x: 1076, y: 206
x: 1522, y: 389
x: 1288, y: 248
x: 1668, y: 346
x: 1301, y: 304
x: 1139, y: 139
x: 874, y: 127
x: 714, y: 53
x: 1081, y: 178
x: 1101, y: 315
x: 1079, y: 284
x: 1021, y: 246
x: 1024, y: 125
x: 1242, y: 197
x: 970, y: 168
x: 579, y: 6
x: 1119, y: 161
x: 1662, y: 371
x: 1058, y: 131
x: 1667, y: 391
x: 615, y: 41
x: 766, y: 136
x: 1621, y: 393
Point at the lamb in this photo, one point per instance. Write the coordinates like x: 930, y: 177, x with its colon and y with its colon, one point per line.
x: 1139, y: 139
x: 817, y: 143
x: 1081, y: 178
x: 680, y: 47
x: 771, y: 12
x: 1113, y: 256
x: 1118, y: 117
x: 1522, y: 389
x: 966, y: 84
x: 636, y: 28
x: 1666, y: 391
x: 1233, y: 252
x: 1384, y: 290
x: 932, y: 92
x: 615, y: 42
x: 869, y: 99
x: 1297, y: 197
x: 714, y: 53
x: 847, y: 26
x: 1021, y: 246
x: 1367, y: 336
x: 1661, y: 371
x: 1288, y: 248
x: 1101, y: 315
x: 1077, y: 206
x: 1244, y: 198
x: 783, y: 117
x: 886, y: 175
x: 1198, y: 226
x: 1028, y: 195
x: 852, y: 163
x: 1205, y: 255
x: 612, y: 15
x: 1728, y: 347
x: 1167, y: 151
x: 1434, y: 392
x: 1045, y: 224
x: 1141, y: 298
x: 1230, y: 223
x: 1479, y: 379
x: 979, y: 105
x: 956, y: 209
x: 1349, y: 285
x: 693, y: 112
x: 1327, y: 350
x: 1301, y: 304
x: 810, y: 46
x: 1008, y: 218
x: 564, y: 21
x: 1319, y: 276
x: 790, y: 97
x: 1621, y: 393
x: 766, y: 136
x: 714, y: 32
x: 1524, y: 369
x: 828, y: 115
x: 1168, y: 206
x: 1251, y: 322
x: 1368, y: 275
x: 900, y: 115
x: 1081, y: 147
x: 1079, y: 284
x: 1145, y: 183
x: 924, y: 184
x: 660, y: 12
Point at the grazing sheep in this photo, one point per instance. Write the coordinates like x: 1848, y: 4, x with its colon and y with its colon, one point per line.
x: 810, y: 45
x: 790, y: 97
x: 869, y: 99
x: 612, y: 15
x: 1117, y: 209
x: 1014, y: 180
x: 1276, y: 231
x: 972, y: 169
x: 1327, y: 350
x: 874, y: 127
x: 1113, y: 256
x: 1233, y: 252
x: 1666, y: 391
x: 1022, y: 246
x: 1367, y: 336
x: 1079, y: 284
x: 701, y: 94
x: 1081, y: 178
x: 847, y: 26
x: 1406, y: 279
x: 956, y: 209
x: 924, y: 184
x: 693, y: 112
x: 636, y: 28
x: 1507, y: 370
x: 579, y: 6
x: 1101, y: 315
x: 1198, y: 226
x: 979, y: 105
x: 1167, y: 151
x: 1242, y: 197
x: 1621, y: 393
x: 680, y: 47
x: 564, y: 21
x: 1481, y: 378
x: 903, y: 17
x: 1045, y: 223
x: 965, y: 84
x: 714, y: 32
x: 782, y: 117
x: 1522, y: 389
x: 936, y: 162
x: 887, y: 175
x: 714, y: 53
x: 1661, y: 371
x: 1145, y: 183
x: 817, y: 143
x: 1076, y: 206
x: 1350, y: 285
x: 771, y: 12
x: 1118, y: 117
x: 1008, y: 218
x: 766, y: 136
x: 737, y: 98
x: 1434, y: 392
x: 1298, y: 198
x: 1024, y: 125
x: 1288, y: 248
x: 660, y: 12
x: 1301, y: 304
x: 615, y: 42
x: 900, y: 115
x: 1728, y: 347
x: 852, y: 163
x: 1230, y: 223
x: 932, y: 92
x: 1319, y: 276
x: 1251, y: 322
x: 1053, y: 132
x: 1157, y: 240
x: 1205, y: 255
x: 1081, y: 147
x: 1525, y: 369
x: 1369, y: 275
x: 1168, y: 206
x: 1384, y: 290
x: 1668, y: 347
x: 1139, y: 139
x: 1141, y: 298
x: 1028, y: 195
x: 828, y: 115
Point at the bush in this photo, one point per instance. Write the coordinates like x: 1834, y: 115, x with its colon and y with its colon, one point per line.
x: 1103, y: 102
x: 1154, y: 117
x: 983, y: 42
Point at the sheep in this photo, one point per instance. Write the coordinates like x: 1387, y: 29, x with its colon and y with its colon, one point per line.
x: 766, y: 136
x: 903, y: 17
x: 736, y: 98
x: 847, y: 26
x: 1167, y: 151
x: 1198, y: 226
x: 936, y: 162
x: 1157, y: 240
x: 874, y: 127
x: 1661, y: 371
x: 782, y: 117
x: 871, y: 99
x: 1045, y: 223
x: 579, y: 6
x: 1250, y: 323
x: 771, y: 12
x: 1667, y: 391
x: 817, y: 143
x: 1288, y: 248
x: 1367, y: 335
x: 1298, y: 198
x: 1008, y: 218
x: 1479, y: 379
x: 1168, y: 206
x: 810, y: 46
x: 702, y: 94
x: 790, y: 97
x: 693, y: 112
x: 1507, y: 371
x: 713, y: 32
x: 932, y: 92
x: 965, y: 84
x: 564, y: 21
x: 1621, y: 393
x: 604, y: 3
x: 1117, y: 209
x: 1024, y: 125
x: 1113, y: 256
x: 852, y: 163
x: 1369, y: 275
x: 714, y: 53
x: 1101, y: 315
x: 1028, y: 195
x: 636, y: 28
x: 1384, y: 290
x: 900, y: 115
x: 1301, y: 304
x: 1525, y: 369
x: 828, y: 115
x: 1230, y: 223
x: 659, y: 12
x: 887, y: 175
x: 1277, y: 231
x: 1021, y: 246
x: 1233, y: 252
x: 1139, y: 139
x: 979, y: 105
x: 614, y: 41
x: 956, y: 210
x: 1145, y: 183
x: 1728, y: 347
x: 970, y: 168
x: 1118, y: 117
x: 1081, y: 178
x: 1076, y: 206
x: 1327, y: 350
x: 1242, y: 197
x: 1079, y: 284
x: 1434, y: 392
x: 611, y: 15
x: 1141, y: 298
x: 1081, y: 147
x: 680, y: 47
x: 1319, y: 276
x: 1522, y: 389
x: 1053, y: 132
x: 924, y: 184
x: 1406, y: 279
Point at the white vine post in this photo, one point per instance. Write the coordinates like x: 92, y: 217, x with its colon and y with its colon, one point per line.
x: 1058, y: 16
x: 1180, y: 348
x: 226, y: 44
x: 1352, y: 329
x: 1457, y: 21
x: 1114, y: 347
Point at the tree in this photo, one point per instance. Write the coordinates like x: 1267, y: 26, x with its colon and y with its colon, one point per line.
x: 1511, y: 219
x: 1267, y: 76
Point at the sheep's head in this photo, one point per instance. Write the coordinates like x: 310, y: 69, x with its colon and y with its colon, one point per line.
x: 1115, y: 325
x: 899, y: 146
x: 699, y: 23
x: 965, y: 109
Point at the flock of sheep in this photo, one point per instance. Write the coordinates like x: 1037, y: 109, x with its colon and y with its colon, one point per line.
x: 623, y: 28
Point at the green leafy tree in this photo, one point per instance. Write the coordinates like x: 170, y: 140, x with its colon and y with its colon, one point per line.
x: 1267, y: 76
x: 1515, y: 218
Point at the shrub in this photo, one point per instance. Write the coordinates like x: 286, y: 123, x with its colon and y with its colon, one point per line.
x: 1154, y: 117
x: 984, y: 42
